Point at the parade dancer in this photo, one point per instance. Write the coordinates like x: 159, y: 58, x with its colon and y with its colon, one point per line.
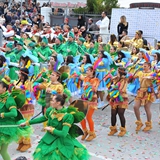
x: 8, y: 117
x: 25, y: 85
x: 102, y: 65
x: 118, y: 100
x: 145, y: 96
x: 90, y: 85
x: 59, y: 141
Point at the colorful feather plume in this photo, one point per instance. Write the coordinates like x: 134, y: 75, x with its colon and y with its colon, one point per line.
x: 96, y: 63
x: 146, y: 57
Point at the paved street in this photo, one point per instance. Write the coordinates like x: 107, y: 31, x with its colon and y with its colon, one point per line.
x: 141, y: 146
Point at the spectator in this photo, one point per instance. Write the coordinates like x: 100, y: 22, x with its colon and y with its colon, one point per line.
x: 1, y: 8
x: 16, y: 27
x: 123, y: 25
x: 81, y: 21
x: 83, y: 31
x: 76, y: 32
x: 28, y: 29
x: 124, y: 36
x: 113, y: 40
x: 92, y: 26
x: 8, y: 18
x: 2, y: 19
x: 66, y: 22
x: 7, y: 31
x: 104, y: 27
x: 145, y: 43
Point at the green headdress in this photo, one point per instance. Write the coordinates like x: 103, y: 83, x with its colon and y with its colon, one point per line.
x: 10, y: 45
x: 45, y: 40
x: 71, y: 34
x: 20, y: 42
x: 82, y: 39
x: 60, y: 37
x: 32, y: 44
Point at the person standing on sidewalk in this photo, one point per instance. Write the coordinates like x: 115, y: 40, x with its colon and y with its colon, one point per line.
x: 104, y: 27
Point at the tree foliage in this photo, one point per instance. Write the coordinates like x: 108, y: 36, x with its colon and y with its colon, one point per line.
x: 97, y: 6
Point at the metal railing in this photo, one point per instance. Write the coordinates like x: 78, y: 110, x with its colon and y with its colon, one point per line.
x: 131, y: 35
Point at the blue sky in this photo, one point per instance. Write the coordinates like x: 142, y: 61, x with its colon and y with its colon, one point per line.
x: 125, y: 3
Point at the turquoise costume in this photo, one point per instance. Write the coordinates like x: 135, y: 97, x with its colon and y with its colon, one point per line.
x: 101, y: 70
x: 72, y: 82
x: 60, y: 143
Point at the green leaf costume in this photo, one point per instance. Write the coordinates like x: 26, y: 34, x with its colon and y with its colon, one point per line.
x: 13, y: 58
x: 45, y: 51
x: 59, y: 145
x: 9, y: 110
x: 71, y: 48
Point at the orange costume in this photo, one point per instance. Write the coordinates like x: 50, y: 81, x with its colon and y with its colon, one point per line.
x: 92, y: 105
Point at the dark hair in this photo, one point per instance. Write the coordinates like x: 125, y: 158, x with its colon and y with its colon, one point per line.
x: 24, y: 72
x: 122, y: 43
x: 114, y: 47
x: 125, y: 31
x: 2, y: 59
x: 92, y: 41
x: 91, y: 68
x: 88, y: 58
x: 148, y: 63
x: 122, y: 54
x: 105, y: 12
x: 60, y: 98
x: 26, y: 59
x: 103, y: 55
x: 141, y: 32
x: 112, y: 38
x: 69, y: 60
x: 55, y: 57
x: 158, y: 57
x: 137, y: 51
x: 158, y: 44
x: 4, y: 85
x: 122, y: 71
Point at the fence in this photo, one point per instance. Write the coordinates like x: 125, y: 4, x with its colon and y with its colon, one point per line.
x: 73, y: 19
x: 152, y: 40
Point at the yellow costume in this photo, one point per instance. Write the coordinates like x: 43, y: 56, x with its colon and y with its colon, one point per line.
x: 146, y: 92
x: 138, y: 43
